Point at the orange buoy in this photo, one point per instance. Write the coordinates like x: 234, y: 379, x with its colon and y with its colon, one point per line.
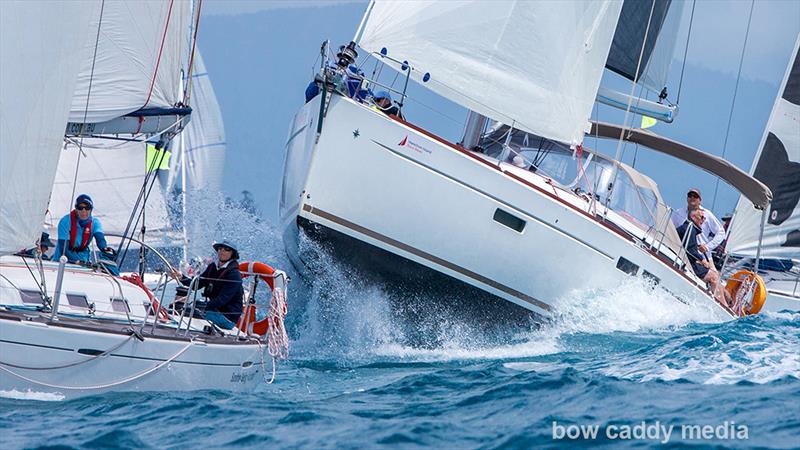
x: 741, y: 280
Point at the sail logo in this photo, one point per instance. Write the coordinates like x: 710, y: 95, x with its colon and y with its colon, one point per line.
x: 408, y: 143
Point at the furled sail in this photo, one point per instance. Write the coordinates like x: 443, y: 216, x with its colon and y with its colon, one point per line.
x: 663, y: 17
x: 137, y: 60
x: 113, y: 177
x: 777, y: 165
x: 38, y: 42
x: 536, y: 65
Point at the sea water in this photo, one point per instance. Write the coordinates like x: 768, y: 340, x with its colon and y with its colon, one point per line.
x: 628, y: 367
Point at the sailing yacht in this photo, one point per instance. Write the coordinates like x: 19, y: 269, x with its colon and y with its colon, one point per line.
x: 777, y: 164
x: 523, y: 212
x: 77, y: 329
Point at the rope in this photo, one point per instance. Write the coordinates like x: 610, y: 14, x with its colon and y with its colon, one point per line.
x: 107, y: 385
x: 160, y: 50
x: 64, y: 366
x: 88, y: 95
x: 733, y: 102
x: 685, y: 52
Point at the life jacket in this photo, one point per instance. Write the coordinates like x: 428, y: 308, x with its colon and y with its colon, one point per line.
x: 86, y: 235
x: 211, y: 290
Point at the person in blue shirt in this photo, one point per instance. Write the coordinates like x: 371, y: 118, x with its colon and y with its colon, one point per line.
x: 76, y: 231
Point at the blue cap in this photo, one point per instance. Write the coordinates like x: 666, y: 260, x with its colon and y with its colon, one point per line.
x: 382, y: 94
x: 84, y: 198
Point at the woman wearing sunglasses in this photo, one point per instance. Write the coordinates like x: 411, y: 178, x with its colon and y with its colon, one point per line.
x: 76, y: 230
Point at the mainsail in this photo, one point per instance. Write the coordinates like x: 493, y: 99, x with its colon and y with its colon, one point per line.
x: 777, y: 165
x: 38, y: 42
x: 136, y: 62
x: 663, y: 18
x: 536, y: 65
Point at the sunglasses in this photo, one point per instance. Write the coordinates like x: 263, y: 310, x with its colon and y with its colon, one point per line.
x: 692, y: 195
x: 227, y: 249
x: 83, y: 208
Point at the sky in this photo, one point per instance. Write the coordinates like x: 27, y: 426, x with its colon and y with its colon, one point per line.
x: 262, y: 54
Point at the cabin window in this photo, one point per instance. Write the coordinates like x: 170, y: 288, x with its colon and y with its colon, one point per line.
x: 78, y: 300
x: 650, y: 278
x: 30, y: 296
x: 120, y: 305
x: 627, y: 266
x: 509, y: 220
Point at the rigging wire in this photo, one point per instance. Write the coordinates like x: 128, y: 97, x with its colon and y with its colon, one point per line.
x: 685, y: 52
x: 188, y: 89
x: 88, y: 95
x: 160, y: 52
x: 733, y: 102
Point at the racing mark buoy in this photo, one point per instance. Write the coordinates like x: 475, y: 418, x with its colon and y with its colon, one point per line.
x: 747, y: 291
x: 247, y: 322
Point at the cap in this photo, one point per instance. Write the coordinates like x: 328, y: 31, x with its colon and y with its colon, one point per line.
x: 229, y: 244
x: 382, y: 94
x: 84, y: 198
x: 696, y: 191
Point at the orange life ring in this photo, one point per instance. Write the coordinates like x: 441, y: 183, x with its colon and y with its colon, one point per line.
x: 759, y: 295
x: 247, y: 322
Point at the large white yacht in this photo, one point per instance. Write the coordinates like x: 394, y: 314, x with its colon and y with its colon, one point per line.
x: 523, y: 212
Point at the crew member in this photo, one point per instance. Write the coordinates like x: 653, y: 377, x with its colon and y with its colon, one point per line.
x: 221, y: 282
x: 712, y: 233
x: 76, y: 230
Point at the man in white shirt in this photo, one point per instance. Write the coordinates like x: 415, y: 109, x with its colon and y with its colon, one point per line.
x: 712, y: 231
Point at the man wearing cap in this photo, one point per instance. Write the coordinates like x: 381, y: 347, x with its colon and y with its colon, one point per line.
x: 712, y: 233
x: 76, y: 231
x: 383, y: 103
x: 44, y: 244
x: 222, y: 286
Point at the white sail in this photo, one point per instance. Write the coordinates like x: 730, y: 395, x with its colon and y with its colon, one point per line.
x: 138, y: 58
x: 777, y: 164
x: 203, y: 139
x: 38, y: 42
x: 536, y: 65
x: 113, y: 177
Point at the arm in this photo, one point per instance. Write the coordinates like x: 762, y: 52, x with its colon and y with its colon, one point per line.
x: 99, y: 236
x: 715, y: 227
x: 60, y: 246
x: 230, y: 287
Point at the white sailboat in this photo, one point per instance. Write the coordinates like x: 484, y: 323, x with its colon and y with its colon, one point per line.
x: 390, y: 198
x: 75, y: 330
x: 777, y: 164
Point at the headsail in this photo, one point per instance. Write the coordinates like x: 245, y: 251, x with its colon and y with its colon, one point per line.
x: 663, y: 17
x: 777, y: 165
x: 139, y: 50
x: 536, y: 65
x: 38, y: 41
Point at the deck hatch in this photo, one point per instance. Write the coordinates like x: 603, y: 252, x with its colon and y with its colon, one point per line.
x: 77, y: 300
x: 29, y: 296
x: 120, y: 305
x: 509, y: 220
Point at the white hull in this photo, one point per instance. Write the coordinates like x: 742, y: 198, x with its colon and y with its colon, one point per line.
x: 397, y: 188
x: 90, y: 348
x: 782, y: 294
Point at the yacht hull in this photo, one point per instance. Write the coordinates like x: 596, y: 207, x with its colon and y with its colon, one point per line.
x: 393, y: 186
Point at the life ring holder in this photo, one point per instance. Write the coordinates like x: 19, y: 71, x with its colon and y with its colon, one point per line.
x: 247, y: 322
x: 746, y: 279
x: 136, y: 280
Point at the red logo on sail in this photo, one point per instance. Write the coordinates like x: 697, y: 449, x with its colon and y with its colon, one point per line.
x: 403, y: 142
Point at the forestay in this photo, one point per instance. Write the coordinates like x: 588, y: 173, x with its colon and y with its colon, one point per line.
x: 139, y: 53
x: 777, y: 165
x: 536, y: 65
x: 38, y: 42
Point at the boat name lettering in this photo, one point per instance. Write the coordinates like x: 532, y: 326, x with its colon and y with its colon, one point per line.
x: 242, y: 377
